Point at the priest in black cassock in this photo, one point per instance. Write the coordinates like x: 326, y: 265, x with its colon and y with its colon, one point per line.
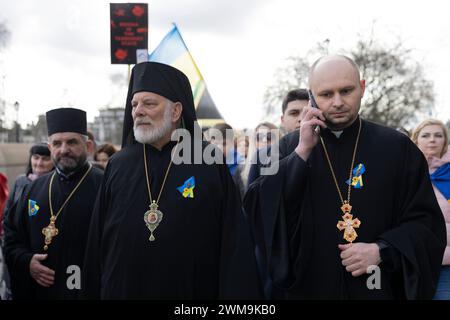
x: 160, y: 229
x: 351, y: 213
x: 46, y: 231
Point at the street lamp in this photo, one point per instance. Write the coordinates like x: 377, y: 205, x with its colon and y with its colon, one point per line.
x: 16, y: 107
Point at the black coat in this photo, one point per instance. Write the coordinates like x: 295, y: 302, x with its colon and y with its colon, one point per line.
x: 294, y: 216
x: 202, y: 249
x: 24, y: 238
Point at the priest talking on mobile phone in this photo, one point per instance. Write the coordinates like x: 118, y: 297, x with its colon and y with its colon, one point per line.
x: 349, y: 201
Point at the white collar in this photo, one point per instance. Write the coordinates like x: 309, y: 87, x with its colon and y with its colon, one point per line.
x: 337, y: 133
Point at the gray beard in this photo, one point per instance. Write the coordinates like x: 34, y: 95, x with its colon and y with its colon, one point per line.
x: 68, y: 171
x: 152, y: 135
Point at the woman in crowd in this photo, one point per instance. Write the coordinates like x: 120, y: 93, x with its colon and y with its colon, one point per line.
x: 104, y: 152
x: 431, y: 137
x: 241, y: 144
x: 39, y: 163
x: 264, y: 136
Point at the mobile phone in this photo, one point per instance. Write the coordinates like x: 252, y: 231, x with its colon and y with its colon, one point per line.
x: 314, y: 105
x: 313, y: 101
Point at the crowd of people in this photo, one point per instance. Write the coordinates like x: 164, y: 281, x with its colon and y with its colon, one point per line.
x: 312, y: 209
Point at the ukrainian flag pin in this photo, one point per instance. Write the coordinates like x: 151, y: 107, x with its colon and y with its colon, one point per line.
x: 33, y: 207
x: 187, y: 189
x: 357, y: 181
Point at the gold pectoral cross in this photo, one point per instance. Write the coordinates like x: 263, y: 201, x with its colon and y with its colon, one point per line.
x: 348, y: 224
x: 50, y: 232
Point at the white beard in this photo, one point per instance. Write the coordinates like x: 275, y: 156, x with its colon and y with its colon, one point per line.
x: 153, y: 134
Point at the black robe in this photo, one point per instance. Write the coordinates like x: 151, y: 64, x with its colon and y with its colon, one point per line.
x: 24, y: 238
x: 294, y: 215
x: 202, y: 250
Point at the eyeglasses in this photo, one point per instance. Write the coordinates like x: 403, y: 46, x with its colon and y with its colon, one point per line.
x: 264, y: 137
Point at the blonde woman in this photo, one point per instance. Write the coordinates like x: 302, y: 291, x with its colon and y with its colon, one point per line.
x: 431, y: 137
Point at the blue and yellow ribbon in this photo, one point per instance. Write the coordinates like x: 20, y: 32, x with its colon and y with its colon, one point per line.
x: 33, y: 207
x: 187, y: 189
x: 357, y: 181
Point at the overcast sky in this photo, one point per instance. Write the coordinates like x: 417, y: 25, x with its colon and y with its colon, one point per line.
x: 59, y: 52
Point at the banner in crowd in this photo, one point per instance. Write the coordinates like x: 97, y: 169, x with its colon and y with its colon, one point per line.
x: 129, y: 32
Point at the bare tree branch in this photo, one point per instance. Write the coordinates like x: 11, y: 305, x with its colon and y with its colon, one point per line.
x: 397, y: 91
x: 4, y: 35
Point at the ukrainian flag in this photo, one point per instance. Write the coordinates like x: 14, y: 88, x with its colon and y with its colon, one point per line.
x: 33, y: 207
x: 172, y: 50
x: 357, y: 181
x: 187, y: 189
x: 441, y: 179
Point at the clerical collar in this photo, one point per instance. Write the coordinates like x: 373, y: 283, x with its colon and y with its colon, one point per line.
x: 346, y: 132
x: 73, y: 174
x: 337, y: 133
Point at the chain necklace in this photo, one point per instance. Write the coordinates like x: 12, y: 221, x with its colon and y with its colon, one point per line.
x: 51, y: 231
x: 348, y: 224
x: 153, y: 217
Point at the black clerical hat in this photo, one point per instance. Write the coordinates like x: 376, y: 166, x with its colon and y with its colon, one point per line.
x: 166, y: 81
x: 66, y: 120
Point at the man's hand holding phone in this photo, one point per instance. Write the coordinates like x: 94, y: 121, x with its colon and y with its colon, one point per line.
x: 312, y: 118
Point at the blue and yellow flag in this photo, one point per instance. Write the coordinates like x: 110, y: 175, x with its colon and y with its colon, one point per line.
x: 33, y: 207
x: 441, y: 179
x: 172, y: 50
x: 357, y: 181
x: 187, y: 189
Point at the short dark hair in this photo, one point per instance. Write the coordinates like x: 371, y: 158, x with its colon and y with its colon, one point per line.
x: 107, y: 148
x: 296, y: 94
x: 40, y: 149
